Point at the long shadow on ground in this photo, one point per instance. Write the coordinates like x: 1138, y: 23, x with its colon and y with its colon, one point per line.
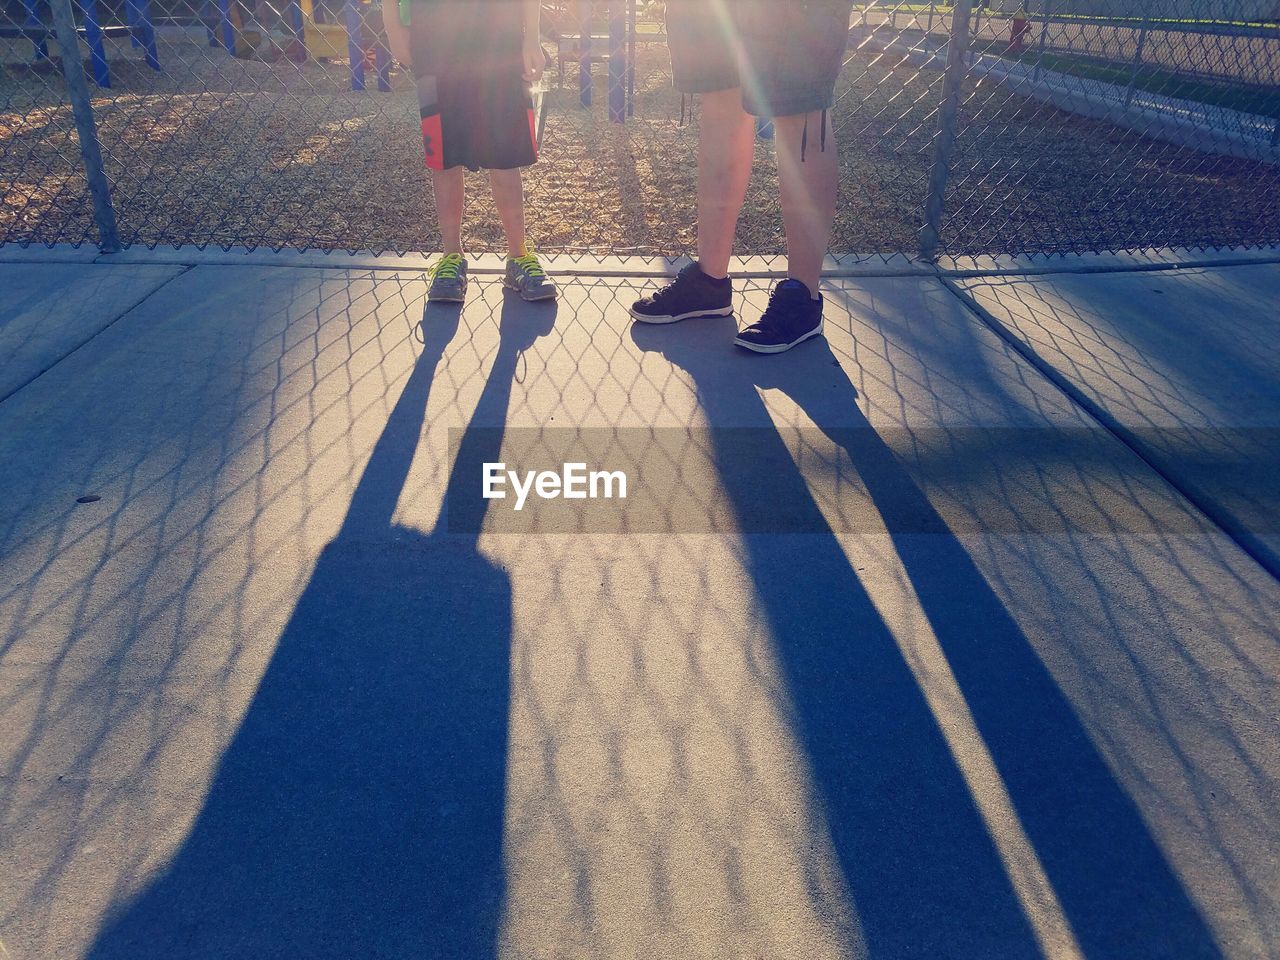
x: 359, y: 810
x: 921, y: 868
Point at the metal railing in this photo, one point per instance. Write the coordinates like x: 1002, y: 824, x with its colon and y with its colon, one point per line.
x: 963, y: 129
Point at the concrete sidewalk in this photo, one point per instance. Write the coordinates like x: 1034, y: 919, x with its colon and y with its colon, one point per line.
x: 1184, y: 365
x: 905, y: 644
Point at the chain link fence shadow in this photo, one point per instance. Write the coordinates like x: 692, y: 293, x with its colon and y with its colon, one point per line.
x: 832, y: 722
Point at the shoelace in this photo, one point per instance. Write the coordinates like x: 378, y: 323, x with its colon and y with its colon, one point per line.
x: 660, y: 297
x: 446, y: 268
x: 776, y: 296
x: 530, y: 265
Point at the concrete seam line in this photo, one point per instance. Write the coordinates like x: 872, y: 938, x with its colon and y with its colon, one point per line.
x: 843, y: 273
x: 914, y: 269
x: 604, y: 273
x: 1252, y: 546
x: 1086, y: 268
x: 837, y: 273
x: 105, y: 327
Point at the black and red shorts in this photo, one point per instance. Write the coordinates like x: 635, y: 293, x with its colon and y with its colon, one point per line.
x: 786, y: 56
x: 475, y: 105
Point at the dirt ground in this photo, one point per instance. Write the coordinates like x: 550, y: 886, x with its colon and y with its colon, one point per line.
x: 226, y: 152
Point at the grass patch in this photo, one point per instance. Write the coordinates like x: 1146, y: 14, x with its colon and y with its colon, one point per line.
x: 1168, y: 83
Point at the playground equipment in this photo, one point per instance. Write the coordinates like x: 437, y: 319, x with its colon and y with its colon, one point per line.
x: 357, y: 38
x: 617, y: 48
x: 323, y: 40
x: 309, y: 32
x: 252, y: 39
x: 364, y: 38
x: 139, y: 28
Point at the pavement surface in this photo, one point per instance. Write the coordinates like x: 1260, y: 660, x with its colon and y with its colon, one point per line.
x: 948, y: 635
x: 1179, y: 363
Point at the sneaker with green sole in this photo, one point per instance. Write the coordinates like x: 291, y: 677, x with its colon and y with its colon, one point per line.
x: 448, y: 279
x: 526, y: 276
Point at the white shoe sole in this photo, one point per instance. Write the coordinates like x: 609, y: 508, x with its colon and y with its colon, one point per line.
x: 550, y: 295
x: 720, y: 312
x: 779, y: 347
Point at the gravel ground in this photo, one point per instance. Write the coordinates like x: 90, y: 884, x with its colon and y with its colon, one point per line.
x: 228, y: 152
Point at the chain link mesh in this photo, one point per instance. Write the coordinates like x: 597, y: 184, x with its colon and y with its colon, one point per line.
x: 1081, y: 125
x: 1082, y: 132
x: 45, y: 193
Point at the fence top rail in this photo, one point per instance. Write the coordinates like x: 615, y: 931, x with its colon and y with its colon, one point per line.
x: 50, y: 33
x: 1227, y: 28
x: 1264, y: 29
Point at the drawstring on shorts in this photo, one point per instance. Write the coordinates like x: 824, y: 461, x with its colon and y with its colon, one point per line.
x: 804, y: 137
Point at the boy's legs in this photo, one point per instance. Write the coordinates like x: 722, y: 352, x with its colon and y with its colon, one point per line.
x: 524, y: 273
x: 449, y: 275
x: 508, y: 197
x: 449, y: 187
x: 810, y: 180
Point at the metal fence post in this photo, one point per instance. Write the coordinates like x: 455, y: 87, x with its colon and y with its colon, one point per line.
x: 64, y: 23
x: 1044, y: 39
x: 631, y: 57
x: 584, y: 53
x: 617, y: 61
x: 957, y: 67
x: 1137, y: 60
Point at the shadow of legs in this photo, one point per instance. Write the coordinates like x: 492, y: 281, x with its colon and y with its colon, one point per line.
x: 359, y: 809
x: 1116, y: 889
x: 923, y: 874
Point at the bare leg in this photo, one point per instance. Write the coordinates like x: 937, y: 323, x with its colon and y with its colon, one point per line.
x: 508, y: 196
x: 808, y: 195
x: 726, y: 151
x: 450, y: 188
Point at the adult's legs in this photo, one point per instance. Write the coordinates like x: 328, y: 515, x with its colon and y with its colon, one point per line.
x: 725, y: 154
x: 810, y: 179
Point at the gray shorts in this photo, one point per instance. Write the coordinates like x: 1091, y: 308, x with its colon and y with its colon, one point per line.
x: 787, y: 63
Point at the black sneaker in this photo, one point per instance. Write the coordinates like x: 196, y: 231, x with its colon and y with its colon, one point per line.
x: 691, y: 294
x: 792, y: 318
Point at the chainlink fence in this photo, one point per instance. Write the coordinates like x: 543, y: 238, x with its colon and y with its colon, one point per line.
x: 1014, y: 126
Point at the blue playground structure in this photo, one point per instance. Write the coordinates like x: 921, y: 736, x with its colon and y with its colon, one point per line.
x: 312, y: 33
x: 617, y: 48
x: 620, y: 43
x: 138, y: 28
x: 226, y: 22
